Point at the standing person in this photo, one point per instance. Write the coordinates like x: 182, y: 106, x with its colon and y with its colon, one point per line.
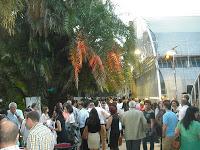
x: 104, y: 106
x: 40, y: 136
x: 125, y: 105
x: 74, y: 104
x: 60, y: 125
x: 24, y: 130
x: 175, y: 106
x: 119, y: 104
x: 135, y: 125
x: 70, y: 124
x: 83, y: 115
x: 187, y: 97
x: 184, y: 102
x: 35, y: 107
x: 15, y: 115
x: 169, y: 124
x: 45, y: 116
x: 69, y: 115
x: 103, y: 115
x: 142, y: 105
x: 189, y: 130
x: 94, y: 127
x: 113, y: 126
x: 159, y: 111
x: 8, y: 135
x: 150, y: 117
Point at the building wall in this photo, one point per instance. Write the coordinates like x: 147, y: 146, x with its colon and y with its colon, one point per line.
x: 184, y: 77
x: 188, y: 53
x: 147, y: 85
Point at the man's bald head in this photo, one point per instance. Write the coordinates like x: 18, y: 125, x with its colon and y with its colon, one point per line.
x: 8, y: 133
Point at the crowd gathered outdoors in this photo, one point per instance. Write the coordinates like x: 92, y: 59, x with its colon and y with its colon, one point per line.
x: 101, y: 124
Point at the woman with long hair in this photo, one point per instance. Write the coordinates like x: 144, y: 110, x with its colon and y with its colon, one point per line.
x: 60, y: 125
x: 189, y: 130
x: 94, y: 127
x: 45, y: 116
x: 70, y: 124
x: 113, y: 127
x: 68, y: 113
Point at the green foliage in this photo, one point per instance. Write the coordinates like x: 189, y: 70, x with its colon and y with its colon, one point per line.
x: 8, y: 13
x: 36, y: 57
x: 98, y: 23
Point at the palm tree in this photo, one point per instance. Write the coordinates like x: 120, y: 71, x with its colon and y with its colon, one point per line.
x: 49, y: 47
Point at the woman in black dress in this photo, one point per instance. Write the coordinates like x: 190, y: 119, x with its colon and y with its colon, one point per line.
x: 113, y: 126
x: 60, y: 126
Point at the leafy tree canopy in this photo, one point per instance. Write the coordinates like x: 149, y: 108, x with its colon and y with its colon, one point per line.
x: 52, y: 48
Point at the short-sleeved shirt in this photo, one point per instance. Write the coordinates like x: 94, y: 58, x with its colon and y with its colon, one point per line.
x: 83, y: 115
x: 44, y: 118
x: 170, y: 120
x: 190, y: 138
x: 40, y: 138
x: 103, y: 114
x: 70, y: 119
x: 149, y: 115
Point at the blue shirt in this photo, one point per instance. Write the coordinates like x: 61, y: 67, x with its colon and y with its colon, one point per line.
x: 83, y: 115
x: 170, y: 120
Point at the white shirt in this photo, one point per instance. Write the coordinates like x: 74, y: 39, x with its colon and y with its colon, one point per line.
x: 12, y: 117
x: 70, y: 119
x: 40, y: 138
x: 103, y: 114
x: 119, y: 106
x: 182, y: 112
x: 44, y: 118
x: 24, y: 131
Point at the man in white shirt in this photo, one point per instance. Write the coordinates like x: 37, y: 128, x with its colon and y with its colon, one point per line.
x: 15, y: 115
x: 8, y: 135
x: 119, y: 104
x: 183, y: 109
x: 103, y: 115
x: 40, y: 136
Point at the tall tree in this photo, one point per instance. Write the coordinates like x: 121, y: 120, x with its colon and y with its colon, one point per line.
x: 47, y: 48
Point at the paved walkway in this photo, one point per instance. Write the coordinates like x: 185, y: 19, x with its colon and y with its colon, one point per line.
x: 123, y: 146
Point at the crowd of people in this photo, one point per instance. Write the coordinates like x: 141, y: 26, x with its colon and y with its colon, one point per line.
x: 102, y: 123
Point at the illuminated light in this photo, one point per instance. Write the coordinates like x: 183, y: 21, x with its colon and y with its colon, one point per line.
x: 137, y: 52
x: 167, y: 57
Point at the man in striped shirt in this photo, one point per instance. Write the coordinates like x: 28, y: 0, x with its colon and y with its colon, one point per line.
x: 40, y: 137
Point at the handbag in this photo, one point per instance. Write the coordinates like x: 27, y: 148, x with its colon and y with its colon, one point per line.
x: 176, y: 143
x: 120, y: 140
x: 85, y: 133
